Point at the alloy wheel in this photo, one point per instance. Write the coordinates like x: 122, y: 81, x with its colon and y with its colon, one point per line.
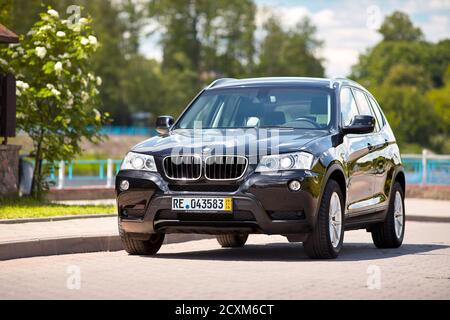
x: 335, y: 220
x: 398, y: 215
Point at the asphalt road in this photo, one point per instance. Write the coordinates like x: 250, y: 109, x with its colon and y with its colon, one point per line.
x: 267, y: 268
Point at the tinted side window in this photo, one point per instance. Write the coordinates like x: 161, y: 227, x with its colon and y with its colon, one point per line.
x: 378, y: 114
x: 348, y: 106
x: 364, y: 106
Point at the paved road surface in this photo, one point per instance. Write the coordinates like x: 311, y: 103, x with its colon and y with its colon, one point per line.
x: 268, y: 268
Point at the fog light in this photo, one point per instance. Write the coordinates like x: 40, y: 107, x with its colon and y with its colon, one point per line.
x: 124, y: 185
x: 294, y: 185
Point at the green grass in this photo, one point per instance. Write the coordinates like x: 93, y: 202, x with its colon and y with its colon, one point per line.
x: 29, y: 208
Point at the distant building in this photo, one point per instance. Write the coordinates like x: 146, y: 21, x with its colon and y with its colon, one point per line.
x: 9, y: 154
x: 7, y: 36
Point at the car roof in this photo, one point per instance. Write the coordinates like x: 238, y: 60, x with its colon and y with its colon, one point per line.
x: 280, y: 81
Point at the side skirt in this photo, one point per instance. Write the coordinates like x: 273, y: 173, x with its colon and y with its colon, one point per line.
x: 365, y: 221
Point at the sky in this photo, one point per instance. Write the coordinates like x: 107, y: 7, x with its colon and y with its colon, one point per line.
x: 347, y: 27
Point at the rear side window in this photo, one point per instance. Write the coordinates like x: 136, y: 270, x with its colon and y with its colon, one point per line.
x: 364, y: 106
x: 348, y: 106
x: 378, y: 114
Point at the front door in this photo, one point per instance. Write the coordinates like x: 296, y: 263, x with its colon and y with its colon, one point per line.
x: 358, y: 156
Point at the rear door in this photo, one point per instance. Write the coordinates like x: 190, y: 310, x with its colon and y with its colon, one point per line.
x: 383, y: 157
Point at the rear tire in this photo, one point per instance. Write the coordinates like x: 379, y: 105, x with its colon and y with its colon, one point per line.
x: 232, y: 240
x: 325, y: 242
x: 390, y: 233
x: 141, y: 247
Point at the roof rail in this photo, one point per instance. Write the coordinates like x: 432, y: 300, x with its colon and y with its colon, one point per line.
x: 342, y: 78
x: 219, y: 81
x: 348, y: 80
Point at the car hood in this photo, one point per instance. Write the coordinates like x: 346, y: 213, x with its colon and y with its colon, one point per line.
x: 215, y: 141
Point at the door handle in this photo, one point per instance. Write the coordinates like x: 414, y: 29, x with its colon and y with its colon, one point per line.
x: 370, y: 146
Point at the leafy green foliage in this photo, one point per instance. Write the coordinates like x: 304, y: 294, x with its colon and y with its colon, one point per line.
x: 212, y: 35
x: 56, y: 88
x: 440, y: 100
x: 398, y: 27
x: 30, y: 208
x: 290, y: 53
x: 408, y: 77
x: 201, y: 40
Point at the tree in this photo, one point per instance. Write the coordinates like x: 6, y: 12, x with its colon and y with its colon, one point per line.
x: 377, y: 62
x: 57, y: 90
x: 291, y: 52
x: 117, y: 25
x: 439, y: 98
x: 407, y: 75
x: 402, y: 97
x: 142, y: 90
x: 212, y: 35
x: 20, y: 15
x: 438, y: 62
x: 402, y: 44
x: 5, y: 9
x: 228, y: 38
x: 398, y: 27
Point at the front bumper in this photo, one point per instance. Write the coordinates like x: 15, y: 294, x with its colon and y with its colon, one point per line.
x: 261, y: 204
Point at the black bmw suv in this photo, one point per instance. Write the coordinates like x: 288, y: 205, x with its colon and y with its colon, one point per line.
x: 300, y: 157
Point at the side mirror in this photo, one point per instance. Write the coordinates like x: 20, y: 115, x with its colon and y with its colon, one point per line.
x: 163, y: 124
x: 360, y: 125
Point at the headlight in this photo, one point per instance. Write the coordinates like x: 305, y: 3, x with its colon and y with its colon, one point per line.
x: 289, y: 161
x: 137, y: 161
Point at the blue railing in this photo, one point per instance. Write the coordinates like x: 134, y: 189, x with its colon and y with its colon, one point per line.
x: 438, y: 172
x: 413, y: 170
x: 427, y: 169
x: 431, y: 170
x: 129, y: 131
x: 71, y: 174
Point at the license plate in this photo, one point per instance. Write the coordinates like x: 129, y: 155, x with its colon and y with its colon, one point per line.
x: 202, y: 204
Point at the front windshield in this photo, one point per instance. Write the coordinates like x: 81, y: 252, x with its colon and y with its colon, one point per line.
x: 263, y: 107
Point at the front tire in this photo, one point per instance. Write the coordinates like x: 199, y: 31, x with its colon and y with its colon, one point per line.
x: 390, y: 233
x: 232, y: 240
x: 141, y: 247
x: 325, y: 242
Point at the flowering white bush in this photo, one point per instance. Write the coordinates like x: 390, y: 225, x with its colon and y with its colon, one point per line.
x: 56, y: 88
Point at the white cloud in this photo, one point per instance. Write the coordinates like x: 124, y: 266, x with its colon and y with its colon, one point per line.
x: 437, y: 27
x: 344, y: 33
x: 150, y: 38
x: 439, y: 4
x: 325, y: 18
x: 151, y: 49
x: 339, y: 60
x: 289, y: 16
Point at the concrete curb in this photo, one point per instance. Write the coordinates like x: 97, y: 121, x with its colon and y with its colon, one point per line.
x: 49, y: 247
x: 104, y: 243
x: 438, y: 219
x: 428, y: 219
x: 60, y: 246
x: 62, y: 218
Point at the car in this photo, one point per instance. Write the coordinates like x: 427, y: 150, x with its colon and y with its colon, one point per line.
x: 305, y: 158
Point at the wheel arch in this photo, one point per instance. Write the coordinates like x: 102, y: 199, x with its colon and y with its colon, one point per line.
x: 401, y: 178
x: 336, y: 172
